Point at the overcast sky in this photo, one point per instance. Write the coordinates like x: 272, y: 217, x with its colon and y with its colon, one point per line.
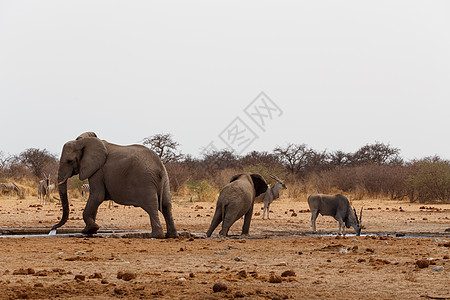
x: 336, y: 75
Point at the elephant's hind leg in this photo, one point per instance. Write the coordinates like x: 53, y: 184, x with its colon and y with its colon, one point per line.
x: 151, y: 207
x: 217, y: 218
x: 247, y: 220
x: 167, y: 213
x: 230, y: 216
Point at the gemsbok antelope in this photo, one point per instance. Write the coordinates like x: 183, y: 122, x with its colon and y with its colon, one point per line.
x: 272, y: 194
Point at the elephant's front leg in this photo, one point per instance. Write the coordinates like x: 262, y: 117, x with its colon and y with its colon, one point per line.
x: 96, y: 198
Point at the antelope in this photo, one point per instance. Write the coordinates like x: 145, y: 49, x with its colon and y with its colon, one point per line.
x: 43, y: 189
x: 271, y: 194
x: 336, y: 206
x: 51, y: 188
x: 10, y: 188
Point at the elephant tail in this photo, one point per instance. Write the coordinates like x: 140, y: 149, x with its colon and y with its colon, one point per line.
x: 223, y: 211
x: 164, y: 193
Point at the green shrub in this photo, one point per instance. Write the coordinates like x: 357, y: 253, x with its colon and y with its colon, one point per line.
x: 430, y: 180
x: 202, y: 190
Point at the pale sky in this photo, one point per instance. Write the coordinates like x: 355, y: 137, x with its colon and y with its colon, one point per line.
x: 342, y: 73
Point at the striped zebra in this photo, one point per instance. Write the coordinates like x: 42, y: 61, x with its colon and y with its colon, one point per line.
x: 9, y: 188
x: 43, y: 190
x: 84, y: 190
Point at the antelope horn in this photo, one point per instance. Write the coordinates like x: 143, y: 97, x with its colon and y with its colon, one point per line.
x: 62, y: 182
x: 356, y: 216
x: 360, y: 215
x: 276, y: 178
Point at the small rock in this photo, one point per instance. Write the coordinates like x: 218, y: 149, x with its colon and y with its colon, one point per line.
x: 80, y: 277
x: 39, y: 285
x: 288, y: 273
x: 182, y: 279
x: 219, y: 286
x: 185, y: 234
x: 96, y: 275
x: 21, y: 271
x: 127, y: 276
x: 422, y: 263
x: 281, y: 264
x: 274, y: 279
x: 343, y: 251
x: 80, y: 253
x: 119, y: 291
x: 104, y: 281
x: 438, y: 269
x: 238, y: 258
x: 242, y: 274
x: 224, y: 252
x: 41, y: 273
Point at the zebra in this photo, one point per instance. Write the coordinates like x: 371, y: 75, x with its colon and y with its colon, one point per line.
x: 84, y: 190
x: 43, y: 189
x: 10, y: 187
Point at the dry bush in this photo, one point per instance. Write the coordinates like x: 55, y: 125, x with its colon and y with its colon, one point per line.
x: 296, y: 188
x: 178, y: 175
x: 222, y: 178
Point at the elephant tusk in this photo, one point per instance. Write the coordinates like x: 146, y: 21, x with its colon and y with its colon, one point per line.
x: 62, y: 182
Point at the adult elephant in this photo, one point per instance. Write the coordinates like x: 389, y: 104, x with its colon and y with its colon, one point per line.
x: 236, y: 200
x: 129, y: 175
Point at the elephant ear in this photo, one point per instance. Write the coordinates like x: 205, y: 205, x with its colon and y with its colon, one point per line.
x: 86, y: 134
x: 93, y: 156
x: 235, y: 177
x: 259, y: 183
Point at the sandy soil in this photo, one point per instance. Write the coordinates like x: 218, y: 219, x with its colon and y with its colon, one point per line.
x: 371, y: 267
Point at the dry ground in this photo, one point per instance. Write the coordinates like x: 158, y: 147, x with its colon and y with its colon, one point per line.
x: 371, y: 267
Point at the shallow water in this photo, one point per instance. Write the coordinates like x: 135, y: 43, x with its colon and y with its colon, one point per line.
x: 142, y: 234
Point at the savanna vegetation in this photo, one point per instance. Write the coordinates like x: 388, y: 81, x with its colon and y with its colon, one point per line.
x: 373, y: 171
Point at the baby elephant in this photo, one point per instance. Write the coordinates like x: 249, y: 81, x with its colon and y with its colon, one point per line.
x: 236, y: 200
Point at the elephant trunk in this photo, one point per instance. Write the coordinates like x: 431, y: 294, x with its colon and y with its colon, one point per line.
x: 62, y: 188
